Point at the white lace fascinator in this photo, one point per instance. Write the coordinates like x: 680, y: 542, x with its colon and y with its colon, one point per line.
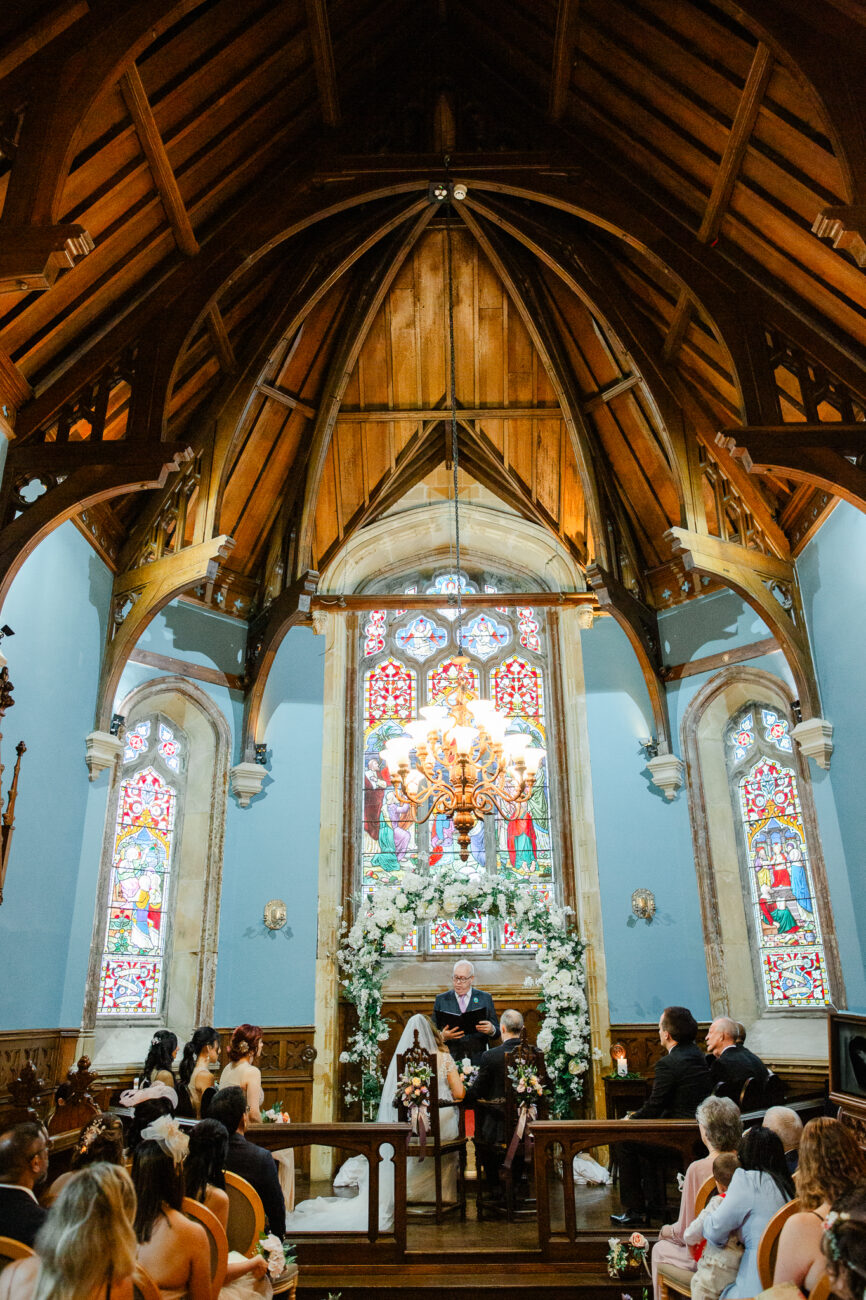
x: 167, y: 1132
x: 154, y: 1092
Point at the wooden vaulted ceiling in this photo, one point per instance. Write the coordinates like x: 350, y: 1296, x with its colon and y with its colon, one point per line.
x: 605, y: 312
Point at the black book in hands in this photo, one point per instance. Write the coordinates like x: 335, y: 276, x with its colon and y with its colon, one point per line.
x: 467, y: 1021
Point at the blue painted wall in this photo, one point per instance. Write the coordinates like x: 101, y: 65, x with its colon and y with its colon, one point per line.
x: 58, y: 608
x: 272, y: 851
x: 643, y: 840
x: 832, y: 571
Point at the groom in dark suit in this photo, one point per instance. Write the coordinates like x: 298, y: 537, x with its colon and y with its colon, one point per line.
x: 459, y: 999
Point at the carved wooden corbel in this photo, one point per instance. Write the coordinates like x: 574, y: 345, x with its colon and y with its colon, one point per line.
x: 640, y: 624
x: 770, y: 586
x: 139, y: 595
x: 264, y: 639
x: 32, y: 257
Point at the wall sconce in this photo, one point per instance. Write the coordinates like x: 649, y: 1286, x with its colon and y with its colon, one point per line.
x: 275, y: 914
x: 643, y: 904
x: 261, y: 755
x: 118, y: 721
x: 650, y: 747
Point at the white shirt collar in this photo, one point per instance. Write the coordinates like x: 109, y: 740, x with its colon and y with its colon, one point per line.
x: 16, y: 1187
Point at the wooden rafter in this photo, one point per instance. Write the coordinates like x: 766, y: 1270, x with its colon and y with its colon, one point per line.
x: 564, y: 48
x: 820, y: 455
x: 138, y: 106
x: 323, y: 60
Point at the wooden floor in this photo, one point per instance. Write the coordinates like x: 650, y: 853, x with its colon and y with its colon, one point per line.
x: 453, y: 1259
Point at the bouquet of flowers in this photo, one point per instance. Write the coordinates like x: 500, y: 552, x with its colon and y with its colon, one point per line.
x: 275, y: 1114
x: 413, y: 1087
x: 279, y: 1254
x: 525, y: 1082
x: 467, y: 1071
x: 627, y: 1256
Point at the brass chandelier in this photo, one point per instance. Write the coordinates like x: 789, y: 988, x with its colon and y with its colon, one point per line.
x: 468, y: 765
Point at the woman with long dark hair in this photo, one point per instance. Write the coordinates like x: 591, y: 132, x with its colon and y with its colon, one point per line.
x: 204, y: 1171
x: 844, y: 1245
x: 172, y: 1248
x: 760, y: 1187
x: 157, y: 1067
x: 194, y: 1073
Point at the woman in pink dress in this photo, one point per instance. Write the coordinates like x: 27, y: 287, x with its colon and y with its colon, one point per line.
x: 721, y: 1129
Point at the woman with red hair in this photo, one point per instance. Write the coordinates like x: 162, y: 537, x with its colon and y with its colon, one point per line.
x: 242, y: 1072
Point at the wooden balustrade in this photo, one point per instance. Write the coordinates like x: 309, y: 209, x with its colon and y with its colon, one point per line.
x: 557, y: 1142
x: 370, y: 1246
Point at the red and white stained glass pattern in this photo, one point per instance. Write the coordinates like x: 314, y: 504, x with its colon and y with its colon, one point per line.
x: 484, y: 637
x: 448, y: 934
x: 136, y: 741
x: 421, y: 638
x: 443, y: 680
x: 169, y: 748
x: 136, y: 925
x: 374, y: 632
x: 510, y: 941
x: 129, y: 987
x: 793, y: 969
x: 390, y: 691
x: 518, y: 689
x: 528, y: 629
x: 796, y: 978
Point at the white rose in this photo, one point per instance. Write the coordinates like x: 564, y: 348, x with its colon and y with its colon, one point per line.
x: 393, y: 943
x: 544, y: 1040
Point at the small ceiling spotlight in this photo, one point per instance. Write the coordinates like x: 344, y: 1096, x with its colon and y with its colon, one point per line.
x: 460, y: 190
x: 261, y: 752
x: 437, y: 191
x: 6, y: 630
x: 650, y: 747
x: 118, y: 722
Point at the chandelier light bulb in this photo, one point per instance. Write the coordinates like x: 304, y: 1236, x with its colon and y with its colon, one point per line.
x: 515, y: 744
x: 534, y: 757
x: 463, y: 739
x: 435, y: 716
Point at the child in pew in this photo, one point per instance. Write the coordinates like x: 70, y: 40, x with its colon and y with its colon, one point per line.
x: 717, y: 1265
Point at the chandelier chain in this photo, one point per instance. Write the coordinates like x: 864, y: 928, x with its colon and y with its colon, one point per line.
x: 454, y: 450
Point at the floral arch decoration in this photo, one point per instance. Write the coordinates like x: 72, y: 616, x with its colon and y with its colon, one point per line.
x: 382, y: 930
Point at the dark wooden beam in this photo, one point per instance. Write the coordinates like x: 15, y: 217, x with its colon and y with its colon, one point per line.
x: 819, y: 460
x: 34, y: 458
x: 607, y: 394
x: 738, y: 141
x: 471, y: 600
x: 264, y: 639
x: 138, y: 106
x: 323, y: 60
x: 712, y: 663
x: 564, y: 48
x: 222, y: 344
x: 849, y: 439
x: 38, y: 33
x: 168, y: 664
x: 380, y: 415
x: 14, y: 388
x: 288, y: 399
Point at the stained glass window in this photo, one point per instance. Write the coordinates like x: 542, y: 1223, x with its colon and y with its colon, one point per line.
x: 781, y: 894
x: 481, y: 657
x: 132, y: 966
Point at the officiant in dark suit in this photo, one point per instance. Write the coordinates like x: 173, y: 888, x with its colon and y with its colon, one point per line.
x: 461, y: 999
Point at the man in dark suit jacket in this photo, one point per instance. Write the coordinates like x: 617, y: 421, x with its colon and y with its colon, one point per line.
x: 490, y: 1086
x: 680, y: 1083
x: 459, y: 999
x: 730, y: 1063
x: 247, y: 1160
x: 23, y: 1168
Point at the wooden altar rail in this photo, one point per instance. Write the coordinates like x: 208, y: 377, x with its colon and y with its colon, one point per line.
x: 562, y: 1140
x: 374, y: 1245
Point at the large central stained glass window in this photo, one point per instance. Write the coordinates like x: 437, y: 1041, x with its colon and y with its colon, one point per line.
x: 410, y: 658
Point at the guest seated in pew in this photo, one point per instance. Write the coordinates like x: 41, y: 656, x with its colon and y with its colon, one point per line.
x: 717, y: 1266
x: 759, y: 1188
x: 204, y: 1174
x: 147, y: 1104
x: 730, y: 1063
x: 832, y: 1163
x: 844, y: 1246
x: 23, y: 1168
x: 721, y: 1129
x: 786, y: 1123
x: 246, y: 1159
x: 99, y: 1142
x: 159, y: 1063
x: 681, y: 1081
x: 86, y: 1248
x: 173, y: 1249
x: 194, y: 1075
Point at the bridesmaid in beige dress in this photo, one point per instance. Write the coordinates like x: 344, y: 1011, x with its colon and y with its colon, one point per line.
x: 244, y: 1050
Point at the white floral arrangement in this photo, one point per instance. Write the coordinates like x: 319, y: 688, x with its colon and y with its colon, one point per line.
x: 467, y: 1072
x: 386, y: 919
x: 275, y: 1114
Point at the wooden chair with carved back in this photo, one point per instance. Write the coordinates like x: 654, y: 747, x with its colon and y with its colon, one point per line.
x: 435, y: 1147
x: 768, y: 1246
x: 73, y: 1104
x: 216, y: 1239
x: 10, y: 1250
x: 515, y: 1171
x: 674, y: 1282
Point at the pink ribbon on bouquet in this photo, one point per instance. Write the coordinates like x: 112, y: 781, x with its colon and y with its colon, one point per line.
x: 417, y: 1117
x: 527, y: 1112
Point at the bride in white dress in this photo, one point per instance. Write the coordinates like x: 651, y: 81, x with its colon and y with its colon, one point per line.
x: 350, y: 1213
